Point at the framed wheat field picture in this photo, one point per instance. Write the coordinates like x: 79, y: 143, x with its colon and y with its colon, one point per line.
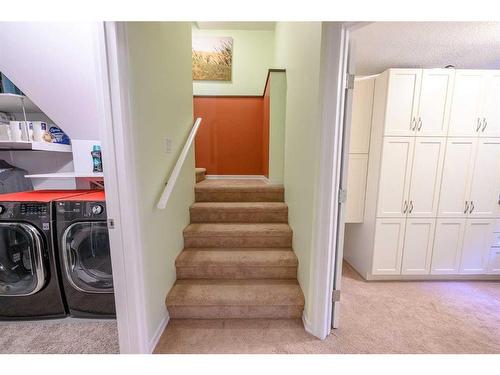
x: 212, y: 58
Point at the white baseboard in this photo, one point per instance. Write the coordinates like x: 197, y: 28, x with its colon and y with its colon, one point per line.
x: 156, y: 337
x: 234, y: 177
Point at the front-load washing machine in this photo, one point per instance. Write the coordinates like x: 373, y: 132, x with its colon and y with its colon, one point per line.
x: 84, y: 253
x: 29, y: 280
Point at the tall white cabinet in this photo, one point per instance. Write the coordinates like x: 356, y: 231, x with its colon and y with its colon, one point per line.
x: 432, y: 206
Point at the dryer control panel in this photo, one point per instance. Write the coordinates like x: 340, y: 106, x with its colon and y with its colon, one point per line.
x: 69, y: 211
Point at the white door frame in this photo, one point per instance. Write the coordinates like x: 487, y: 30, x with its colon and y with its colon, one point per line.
x: 121, y: 188
x: 335, y: 43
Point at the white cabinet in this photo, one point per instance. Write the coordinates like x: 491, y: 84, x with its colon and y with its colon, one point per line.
x: 491, y: 107
x: 361, y: 120
x: 427, y: 168
x: 466, y: 103
x: 395, y: 174
x: 457, y: 171
x: 410, y: 176
x: 474, y: 106
x: 476, y: 246
x: 356, y: 187
x: 447, y: 247
x: 470, y: 185
x: 434, y: 102
x: 418, y: 102
x: 485, y: 181
x: 417, y: 249
x: 402, y: 101
x: 388, y: 246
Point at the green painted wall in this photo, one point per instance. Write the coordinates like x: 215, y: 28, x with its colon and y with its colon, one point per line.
x: 161, y: 107
x: 252, y: 57
x: 298, y: 50
x: 277, y: 117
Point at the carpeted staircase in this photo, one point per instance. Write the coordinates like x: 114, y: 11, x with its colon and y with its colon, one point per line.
x: 238, y: 260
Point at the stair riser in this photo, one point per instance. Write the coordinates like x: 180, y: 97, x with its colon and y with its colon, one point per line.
x: 200, y: 176
x: 233, y: 241
x: 235, y: 312
x: 235, y: 196
x: 236, y: 272
x: 232, y: 216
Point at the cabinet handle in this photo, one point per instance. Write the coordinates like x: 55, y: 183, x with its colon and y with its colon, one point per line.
x: 420, y: 123
x: 484, y: 124
x: 412, y: 124
x: 478, y: 124
x: 466, y: 207
x: 411, y: 207
x: 405, y: 207
x: 472, y: 206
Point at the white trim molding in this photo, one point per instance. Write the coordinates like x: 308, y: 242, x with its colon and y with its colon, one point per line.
x: 158, y: 332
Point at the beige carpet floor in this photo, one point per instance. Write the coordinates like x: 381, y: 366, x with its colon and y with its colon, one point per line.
x: 75, y: 336
x: 376, y: 317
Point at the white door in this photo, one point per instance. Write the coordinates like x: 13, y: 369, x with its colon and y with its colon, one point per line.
x: 417, y: 249
x: 485, y: 183
x: 395, y: 173
x: 447, y: 246
x: 402, y: 101
x: 491, y: 106
x: 428, y: 157
x: 435, y: 102
x: 388, y: 247
x: 465, y: 103
x: 476, y: 246
x: 356, y: 188
x: 457, y: 171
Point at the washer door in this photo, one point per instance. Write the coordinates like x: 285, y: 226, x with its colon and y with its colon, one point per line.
x: 86, y: 257
x: 22, y: 272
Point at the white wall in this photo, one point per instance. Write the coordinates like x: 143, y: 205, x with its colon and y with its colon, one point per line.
x: 53, y: 64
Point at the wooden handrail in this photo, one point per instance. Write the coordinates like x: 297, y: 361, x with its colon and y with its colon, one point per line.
x: 169, y: 187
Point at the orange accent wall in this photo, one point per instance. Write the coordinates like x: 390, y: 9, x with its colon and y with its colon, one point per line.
x: 231, y: 138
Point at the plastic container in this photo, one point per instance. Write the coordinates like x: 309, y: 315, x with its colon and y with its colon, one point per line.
x: 96, y: 159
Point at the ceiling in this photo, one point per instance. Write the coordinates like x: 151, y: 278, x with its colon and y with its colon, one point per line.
x: 382, y: 45
x: 236, y: 25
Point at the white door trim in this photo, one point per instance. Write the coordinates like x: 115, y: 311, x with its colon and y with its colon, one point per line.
x: 333, y: 60
x: 121, y: 189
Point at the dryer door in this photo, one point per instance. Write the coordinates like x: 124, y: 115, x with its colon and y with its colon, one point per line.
x: 22, y: 272
x: 86, y: 257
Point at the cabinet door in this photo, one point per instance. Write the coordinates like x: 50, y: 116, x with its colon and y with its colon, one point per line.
x: 435, y: 102
x: 417, y: 249
x: 465, y: 103
x: 402, y: 101
x: 356, y: 188
x: 485, y: 182
x: 447, y: 246
x: 457, y: 170
x: 395, y: 172
x: 428, y: 157
x: 361, y: 121
x: 388, y: 246
x: 491, y: 107
x: 494, y: 262
x: 476, y: 246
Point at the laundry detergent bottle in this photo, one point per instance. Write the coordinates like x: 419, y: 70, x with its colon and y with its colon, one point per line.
x: 96, y: 158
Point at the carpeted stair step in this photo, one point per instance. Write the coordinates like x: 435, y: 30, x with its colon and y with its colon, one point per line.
x: 239, y: 212
x: 217, y: 299
x: 236, y: 264
x: 200, y: 174
x: 238, y: 191
x: 237, y: 235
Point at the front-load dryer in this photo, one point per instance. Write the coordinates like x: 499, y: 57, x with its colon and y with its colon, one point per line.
x: 84, y: 254
x: 29, y: 282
